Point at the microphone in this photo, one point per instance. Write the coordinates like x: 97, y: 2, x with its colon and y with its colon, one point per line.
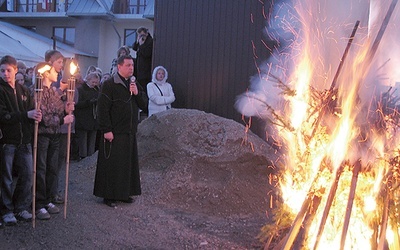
x: 133, y: 82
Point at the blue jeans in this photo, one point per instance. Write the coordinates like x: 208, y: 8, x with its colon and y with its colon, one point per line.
x: 47, y: 168
x: 16, y: 177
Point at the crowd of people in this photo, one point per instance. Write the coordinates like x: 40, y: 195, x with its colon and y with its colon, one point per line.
x: 36, y: 120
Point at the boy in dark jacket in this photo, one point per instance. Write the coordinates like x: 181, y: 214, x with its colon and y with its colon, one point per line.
x: 17, y: 114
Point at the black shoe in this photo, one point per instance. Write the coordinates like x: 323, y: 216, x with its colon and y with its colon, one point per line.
x: 129, y: 200
x: 57, y: 200
x: 110, y: 202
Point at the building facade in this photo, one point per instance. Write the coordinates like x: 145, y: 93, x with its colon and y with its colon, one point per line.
x: 94, y: 29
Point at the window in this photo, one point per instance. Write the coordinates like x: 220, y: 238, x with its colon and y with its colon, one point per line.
x: 129, y: 37
x: 137, y: 6
x: 65, y: 35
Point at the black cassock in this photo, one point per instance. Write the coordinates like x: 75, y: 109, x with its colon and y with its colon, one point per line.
x: 117, y: 174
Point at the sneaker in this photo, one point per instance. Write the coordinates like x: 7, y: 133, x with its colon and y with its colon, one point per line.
x: 52, y: 209
x: 24, y: 216
x: 9, y: 219
x: 57, y: 200
x: 42, y: 214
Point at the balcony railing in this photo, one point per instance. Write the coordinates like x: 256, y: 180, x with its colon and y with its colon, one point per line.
x: 119, y: 6
x: 42, y: 5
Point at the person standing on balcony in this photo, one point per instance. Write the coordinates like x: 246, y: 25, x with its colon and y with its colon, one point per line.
x: 144, y: 53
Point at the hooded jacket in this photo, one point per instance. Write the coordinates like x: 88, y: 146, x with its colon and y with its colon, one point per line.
x: 15, y: 103
x: 160, y: 93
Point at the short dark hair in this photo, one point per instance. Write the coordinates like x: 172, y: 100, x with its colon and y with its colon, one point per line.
x: 121, y: 59
x: 142, y: 29
x: 123, y: 48
x: 9, y: 60
x: 52, y: 55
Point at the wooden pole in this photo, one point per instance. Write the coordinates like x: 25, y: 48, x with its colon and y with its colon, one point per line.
x: 38, y: 98
x: 67, y: 171
x: 384, y: 223
x: 353, y: 186
x: 35, y: 142
x: 302, y: 237
x: 70, y: 99
x: 294, y: 230
x: 326, y: 100
x: 331, y: 196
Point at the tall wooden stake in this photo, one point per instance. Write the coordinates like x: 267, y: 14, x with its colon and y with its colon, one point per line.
x: 38, y: 98
x: 35, y: 143
x: 331, y: 196
x: 70, y: 99
x: 353, y: 186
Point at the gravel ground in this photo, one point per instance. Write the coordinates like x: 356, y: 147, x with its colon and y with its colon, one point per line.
x: 188, y: 201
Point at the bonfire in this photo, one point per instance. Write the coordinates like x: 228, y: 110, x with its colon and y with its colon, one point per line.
x: 329, y: 94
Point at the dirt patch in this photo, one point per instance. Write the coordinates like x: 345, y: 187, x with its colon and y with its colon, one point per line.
x: 204, y: 187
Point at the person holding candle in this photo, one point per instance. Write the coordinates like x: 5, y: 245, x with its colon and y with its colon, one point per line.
x: 17, y: 114
x: 56, y: 112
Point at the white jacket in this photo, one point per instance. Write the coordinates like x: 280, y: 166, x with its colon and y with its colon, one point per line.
x: 160, y: 98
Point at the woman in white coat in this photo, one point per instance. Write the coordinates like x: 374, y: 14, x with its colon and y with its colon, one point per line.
x: 159, y: 91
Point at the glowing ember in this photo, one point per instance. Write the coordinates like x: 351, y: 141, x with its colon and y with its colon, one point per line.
x: 338, y: 122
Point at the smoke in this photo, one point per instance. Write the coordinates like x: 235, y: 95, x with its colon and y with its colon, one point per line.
x: 322, y: 31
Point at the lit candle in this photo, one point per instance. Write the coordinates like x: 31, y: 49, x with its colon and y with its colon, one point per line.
x: 39, y: 85
x: 71, y: 82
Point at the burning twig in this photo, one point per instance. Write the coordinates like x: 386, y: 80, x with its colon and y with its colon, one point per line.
x: 275, y: 115
x: 328, y: 98
x: 349, y: 208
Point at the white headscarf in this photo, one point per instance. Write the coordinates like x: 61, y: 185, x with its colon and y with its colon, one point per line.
x: 155, y: 75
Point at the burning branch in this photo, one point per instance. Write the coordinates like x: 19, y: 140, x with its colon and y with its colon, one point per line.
x: 328, y: 99
x: 350, y: 201
x: 331, y: 196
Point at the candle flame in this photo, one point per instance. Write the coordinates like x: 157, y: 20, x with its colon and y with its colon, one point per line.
x: 44, y: 69
x: 72, y: 68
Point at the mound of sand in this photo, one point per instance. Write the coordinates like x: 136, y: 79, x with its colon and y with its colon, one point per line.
x: 205, y: 163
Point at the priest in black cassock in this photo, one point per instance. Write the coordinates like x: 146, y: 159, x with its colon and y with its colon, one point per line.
x: 117, y: 174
